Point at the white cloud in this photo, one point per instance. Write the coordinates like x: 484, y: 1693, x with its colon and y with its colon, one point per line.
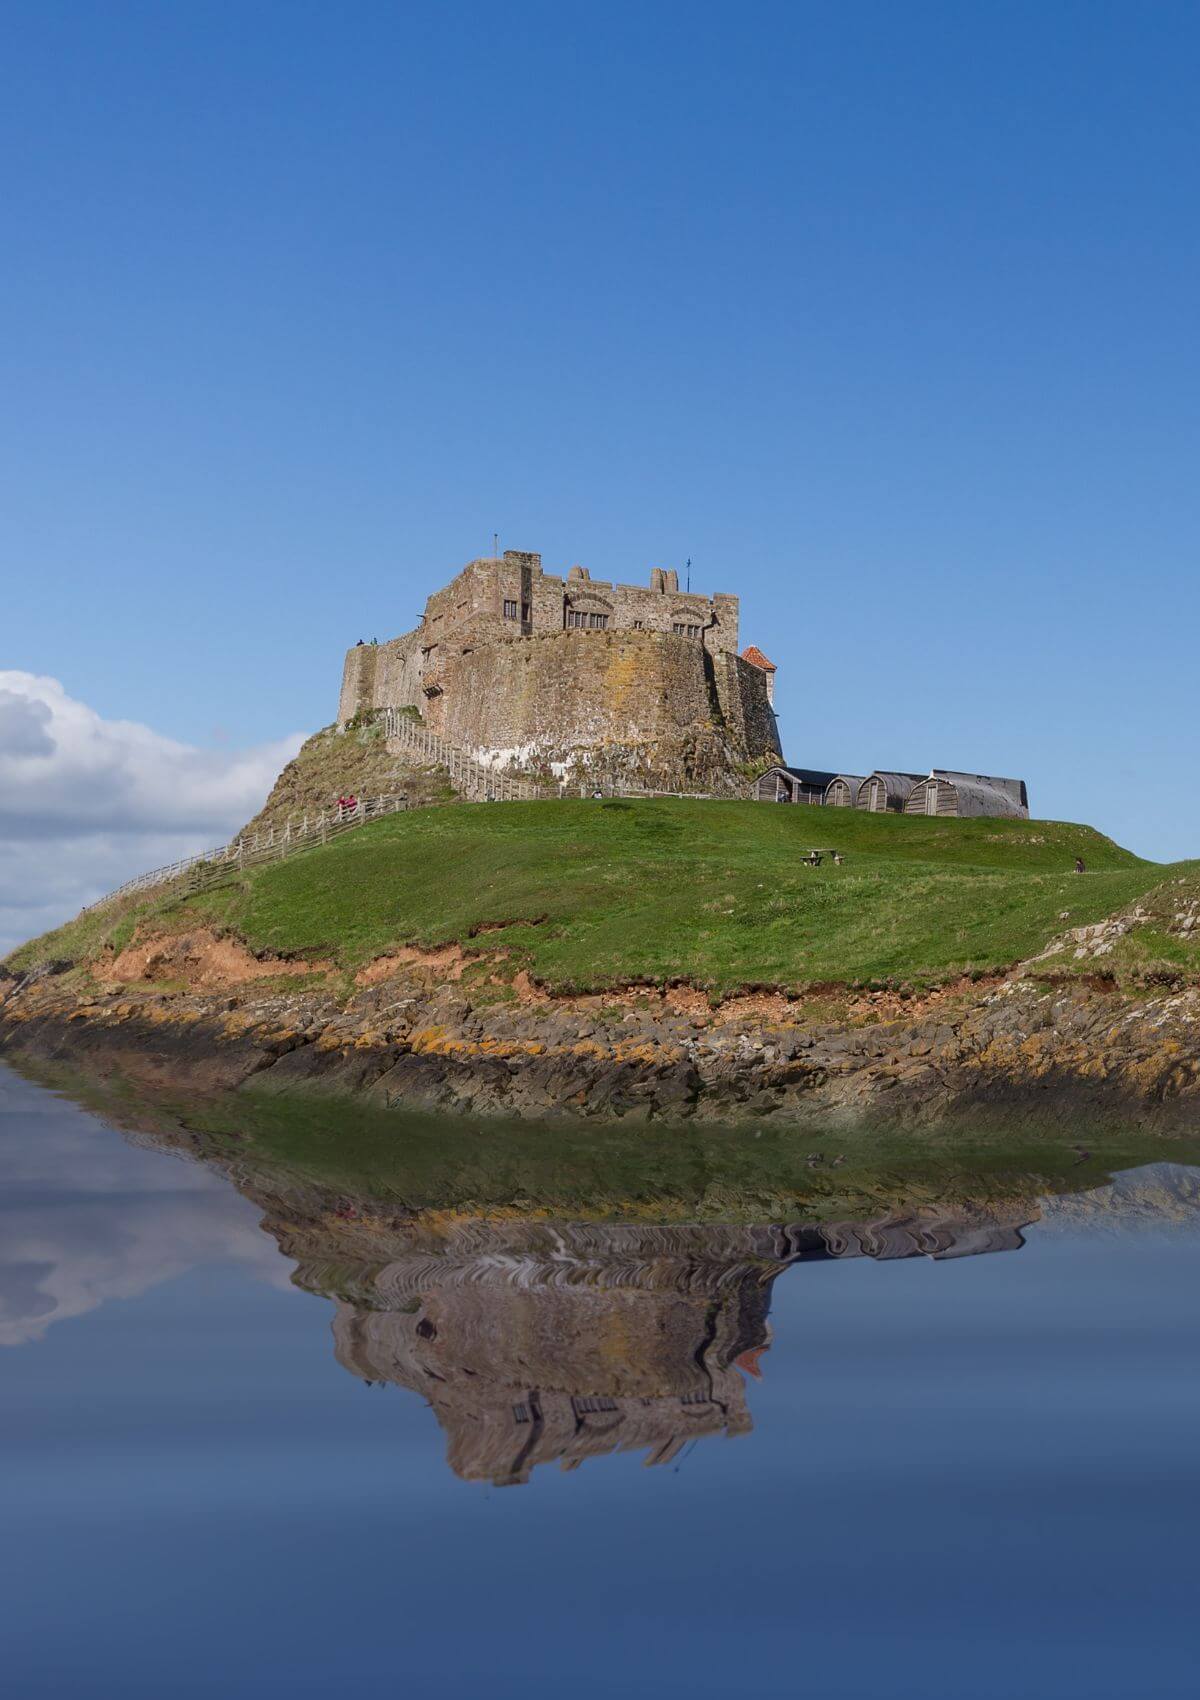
x: 86, y: 803
x: 89, y: 1218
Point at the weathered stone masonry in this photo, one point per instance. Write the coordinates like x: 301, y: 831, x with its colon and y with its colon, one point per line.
x: 522, y: 665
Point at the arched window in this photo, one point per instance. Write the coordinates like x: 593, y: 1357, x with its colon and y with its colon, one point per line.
x: 591, y: 616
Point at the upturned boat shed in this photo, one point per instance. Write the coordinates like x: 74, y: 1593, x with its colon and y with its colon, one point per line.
x: 887, y: 793
x: 843, y: 792
x: 965, y: 794
x: 792, y: 785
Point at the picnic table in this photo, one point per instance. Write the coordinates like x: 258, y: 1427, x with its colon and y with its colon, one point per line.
x: 814, y: 857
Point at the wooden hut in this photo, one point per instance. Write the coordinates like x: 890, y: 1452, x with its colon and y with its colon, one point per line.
x: 945, y: 792
x: 842, y: 791
x: 791, y: 785
x: 887, y: 793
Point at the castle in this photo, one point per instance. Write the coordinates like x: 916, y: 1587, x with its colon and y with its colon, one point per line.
x: 524, y: 668
x: 553, y: 1341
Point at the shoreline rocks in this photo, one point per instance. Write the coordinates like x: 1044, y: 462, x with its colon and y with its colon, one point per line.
x: 419, y: 1039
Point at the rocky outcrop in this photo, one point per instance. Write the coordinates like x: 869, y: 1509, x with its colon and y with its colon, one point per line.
x: 413, y: 1033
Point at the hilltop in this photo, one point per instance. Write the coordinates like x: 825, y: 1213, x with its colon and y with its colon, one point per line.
x: 651, y: 958
x: 584, y: 895
x: 355, y: 761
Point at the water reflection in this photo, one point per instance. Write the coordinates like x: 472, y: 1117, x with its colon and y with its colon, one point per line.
x: 534, y: 1339
x: 86, y: 1218
x: 956, y: 1457
x: 536, y: 1343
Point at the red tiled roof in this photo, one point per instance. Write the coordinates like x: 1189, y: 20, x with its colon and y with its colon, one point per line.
x: 756, y: 658
x: 747, y: 1361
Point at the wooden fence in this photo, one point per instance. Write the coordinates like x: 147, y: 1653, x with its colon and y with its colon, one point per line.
x: 472, y: 778
x: 210, y: 867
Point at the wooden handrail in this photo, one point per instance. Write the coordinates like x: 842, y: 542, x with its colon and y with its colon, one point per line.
x: 207, y: 867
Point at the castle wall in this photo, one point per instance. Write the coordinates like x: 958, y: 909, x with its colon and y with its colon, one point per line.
x: 508, y: 658
x: 398, y: 673
x: 358, y: 682
x: 382, y: 675
x: 476, y: 600
x: 742, y: 691
x: 571, y: 689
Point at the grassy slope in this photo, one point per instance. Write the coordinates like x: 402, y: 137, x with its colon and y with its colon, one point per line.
x: 1162, y: 950
x: 708, y: 891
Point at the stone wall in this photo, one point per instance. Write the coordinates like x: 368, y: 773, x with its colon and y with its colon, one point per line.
x: 570, y: 688
x: 510, y: 596
x: 382, y: 675
x: 474, y: 603
x: 660, y: 698
x: 513, y: 662
x: 744, y: 696
x: 358, y: 682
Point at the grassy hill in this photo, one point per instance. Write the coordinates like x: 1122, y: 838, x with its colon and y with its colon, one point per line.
x: 591, y: 894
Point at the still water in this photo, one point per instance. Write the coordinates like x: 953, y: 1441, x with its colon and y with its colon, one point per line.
x: 264, y: 1434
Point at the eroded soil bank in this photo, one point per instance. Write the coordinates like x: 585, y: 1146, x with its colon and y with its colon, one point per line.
x: 414, y: 1029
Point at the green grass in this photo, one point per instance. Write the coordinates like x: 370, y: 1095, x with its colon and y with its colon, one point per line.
x: 711, y: 892
x: 1162, y: 950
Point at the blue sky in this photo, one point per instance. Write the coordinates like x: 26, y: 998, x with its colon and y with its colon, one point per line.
x: 884, y: 314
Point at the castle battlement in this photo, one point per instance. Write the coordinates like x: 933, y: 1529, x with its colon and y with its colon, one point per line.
x: 508, y: 658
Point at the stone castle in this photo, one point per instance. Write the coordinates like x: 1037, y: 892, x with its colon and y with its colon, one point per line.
x: 538, y: 1342
x: 523, y: 668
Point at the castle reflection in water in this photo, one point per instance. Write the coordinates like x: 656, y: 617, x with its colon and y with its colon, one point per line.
x: 536, y: 1342
x: 458, y: 1266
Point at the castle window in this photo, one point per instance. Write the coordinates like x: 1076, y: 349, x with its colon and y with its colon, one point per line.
x: 526, y: 612
x: 591, y: 1404
x: 638, y: 626
x: 510, y: 610
x: 579, y: 619
x: 682, y: 630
